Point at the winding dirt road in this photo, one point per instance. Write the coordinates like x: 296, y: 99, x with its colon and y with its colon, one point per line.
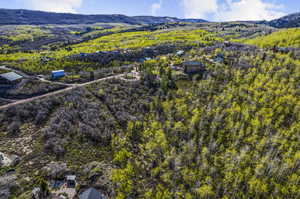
x: 73, y: 86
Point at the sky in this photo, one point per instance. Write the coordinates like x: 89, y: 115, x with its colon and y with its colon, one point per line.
x: 212, y: 10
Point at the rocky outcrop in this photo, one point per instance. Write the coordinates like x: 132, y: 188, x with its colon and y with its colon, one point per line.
x: 55, y: 170
x: 8, y: 160
x: 7, y: 185
x: 36, y: 193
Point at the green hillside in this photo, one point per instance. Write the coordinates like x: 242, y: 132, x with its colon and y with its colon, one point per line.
x: 31, y: 62
x: 281, y: 38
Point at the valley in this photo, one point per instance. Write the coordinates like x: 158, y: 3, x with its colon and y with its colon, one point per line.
x: 148, y: 107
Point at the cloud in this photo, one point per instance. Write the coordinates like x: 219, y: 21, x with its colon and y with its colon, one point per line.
x: 232, y: 10
x: 67, y: 6
x: 155, y: 7
x: 248, y: 10
x: 199, y: 8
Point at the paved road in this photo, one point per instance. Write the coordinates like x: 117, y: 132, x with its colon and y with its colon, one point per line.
x: 74, y: 86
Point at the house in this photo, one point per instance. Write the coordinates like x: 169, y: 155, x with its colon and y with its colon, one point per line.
x: 180, y: 53
x: 219, y: 58
x: 58, y: 74
x: 193, y: 67
x: 91, y: 193
x: 10, y: 78
x: 71, y: 181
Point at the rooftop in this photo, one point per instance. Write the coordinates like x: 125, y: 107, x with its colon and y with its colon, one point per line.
x: 11, y: 76
x: 195, y: 63
x: 71, y: 177
x: 91, y: 193
x: 58, y: 71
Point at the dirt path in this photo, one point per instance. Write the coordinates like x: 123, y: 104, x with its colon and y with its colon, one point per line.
x: 52, y: 82
x: 73, y: 86
x: 8, y: 100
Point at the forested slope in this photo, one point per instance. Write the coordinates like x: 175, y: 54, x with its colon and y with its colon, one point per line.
x: 233, y: 135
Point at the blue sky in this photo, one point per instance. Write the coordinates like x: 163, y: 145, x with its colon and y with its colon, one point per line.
x: 213, y: 10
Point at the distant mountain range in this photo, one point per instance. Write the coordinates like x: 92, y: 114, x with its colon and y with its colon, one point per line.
x: 289, y: 21
x: 30, y: 17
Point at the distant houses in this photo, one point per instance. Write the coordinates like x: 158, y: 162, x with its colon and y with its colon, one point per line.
x: 10, y: 78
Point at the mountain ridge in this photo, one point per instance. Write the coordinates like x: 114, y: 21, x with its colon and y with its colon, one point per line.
x: 32, y: 17
x: 288, y: 21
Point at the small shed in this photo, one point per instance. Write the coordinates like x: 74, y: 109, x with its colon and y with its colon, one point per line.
x: 71, y: 181
x: 193, y: 67
x: 91, y: 193
x: 10, y: 78
x: 58, y: 74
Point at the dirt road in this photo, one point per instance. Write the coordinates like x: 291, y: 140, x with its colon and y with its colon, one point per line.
x: 73, y: 86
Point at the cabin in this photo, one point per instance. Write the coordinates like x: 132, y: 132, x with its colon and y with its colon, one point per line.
x: 190, y: 67
x: 58, y: 74
x: 71, y: 181
x: 91, y: 193
x: 10, y: 78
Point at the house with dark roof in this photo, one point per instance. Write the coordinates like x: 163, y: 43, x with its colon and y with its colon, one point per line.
x: 91, y: 193
x: 190, y: 67
x: 10, y: 78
